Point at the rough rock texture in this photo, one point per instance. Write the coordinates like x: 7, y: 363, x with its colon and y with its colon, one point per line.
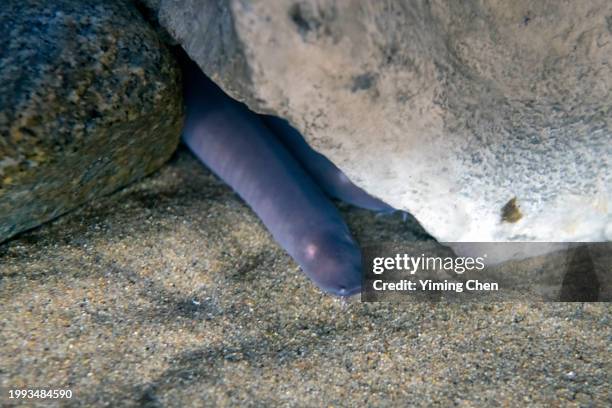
x: 170, y: 293
x: 446, y: 109
x: 89, y: 101
x: 206, y: 29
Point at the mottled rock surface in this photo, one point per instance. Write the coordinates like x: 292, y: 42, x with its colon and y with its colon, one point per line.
x: 449, y: 110
x: 90, y: 100
x: 171, y: 293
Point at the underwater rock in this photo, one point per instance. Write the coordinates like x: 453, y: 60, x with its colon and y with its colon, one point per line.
x: 90, y: 100
x: 488, y: 122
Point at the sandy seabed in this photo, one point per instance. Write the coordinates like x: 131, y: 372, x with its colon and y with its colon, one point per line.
x: 171, y: 293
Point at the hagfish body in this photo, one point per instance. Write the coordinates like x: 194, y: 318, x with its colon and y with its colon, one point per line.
x: 325, y: 173
x: 237, y: 146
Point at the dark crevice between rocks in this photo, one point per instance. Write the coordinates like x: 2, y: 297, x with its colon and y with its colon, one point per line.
x: 150, y: 16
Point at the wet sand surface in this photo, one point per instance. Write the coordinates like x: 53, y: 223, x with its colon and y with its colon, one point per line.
x: 171, y: 293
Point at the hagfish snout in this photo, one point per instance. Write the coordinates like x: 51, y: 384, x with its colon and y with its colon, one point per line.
x: 332, y: 260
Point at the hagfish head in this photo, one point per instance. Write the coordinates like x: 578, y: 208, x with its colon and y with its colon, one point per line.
x: 333, y: 261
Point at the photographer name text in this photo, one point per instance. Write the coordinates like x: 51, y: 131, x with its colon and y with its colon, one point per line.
x: 429, y: 285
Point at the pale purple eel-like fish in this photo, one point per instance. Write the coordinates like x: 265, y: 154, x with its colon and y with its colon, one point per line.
x: 281, y: 178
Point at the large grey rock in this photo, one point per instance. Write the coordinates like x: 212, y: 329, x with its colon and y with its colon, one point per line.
x: 446, y: 109
x: 89, y: 101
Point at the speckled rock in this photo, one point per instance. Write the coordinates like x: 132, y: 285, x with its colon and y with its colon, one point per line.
x: 488, y: 121
x: 89, y: 101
